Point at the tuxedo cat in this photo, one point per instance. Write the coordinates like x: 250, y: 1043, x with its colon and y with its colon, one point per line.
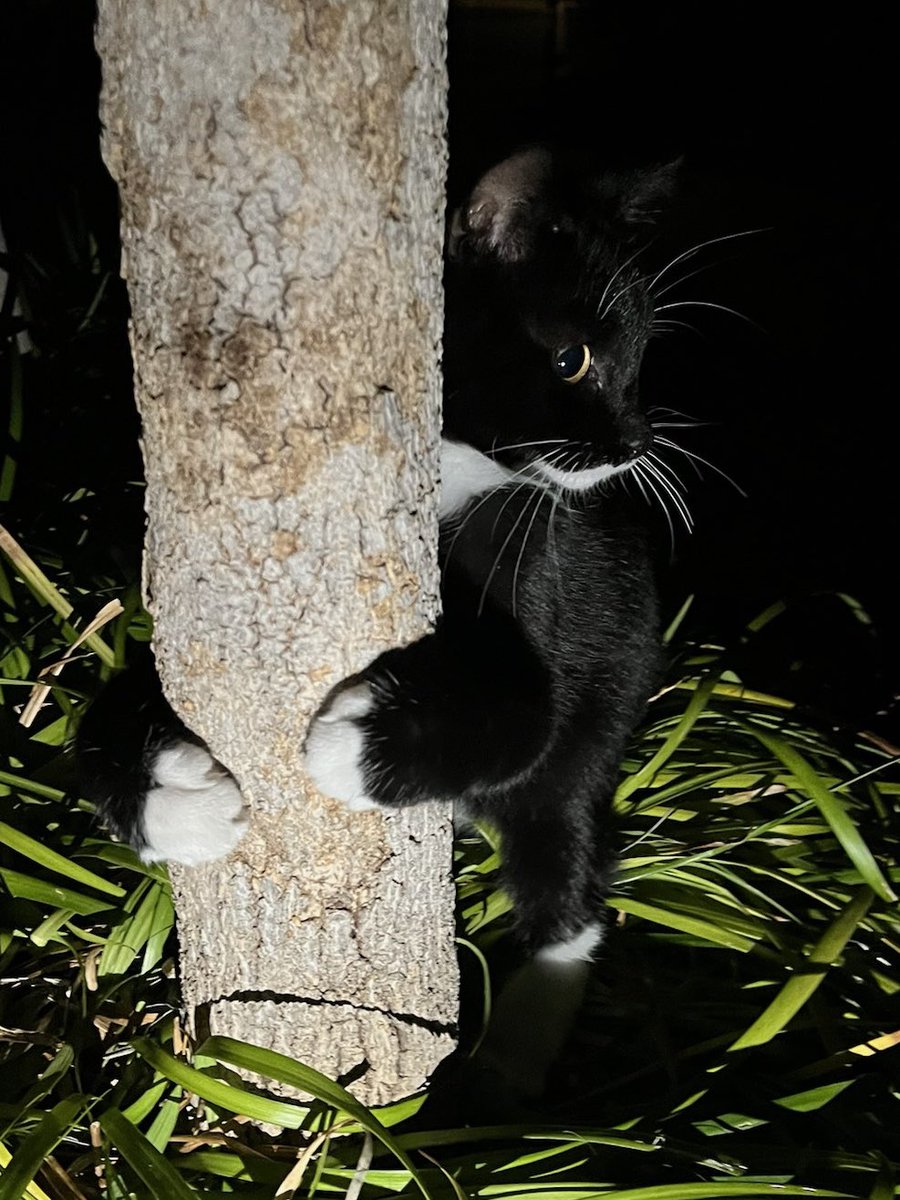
x: 518, y: 706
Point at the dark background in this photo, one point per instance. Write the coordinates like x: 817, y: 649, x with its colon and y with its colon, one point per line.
x: 784, y: 117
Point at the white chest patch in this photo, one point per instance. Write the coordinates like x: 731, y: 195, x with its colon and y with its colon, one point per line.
x: 465, y: 474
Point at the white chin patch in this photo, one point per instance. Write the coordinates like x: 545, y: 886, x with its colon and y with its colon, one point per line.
x: 335, y: 746
x: 195, y: 812
x: 580, y: 481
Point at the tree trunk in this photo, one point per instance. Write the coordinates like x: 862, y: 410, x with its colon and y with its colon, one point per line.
x: 281, y: 169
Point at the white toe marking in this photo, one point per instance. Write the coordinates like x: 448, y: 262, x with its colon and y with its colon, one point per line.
x: 335, y: 746
x: 195, y: 812
x: 579, y: 948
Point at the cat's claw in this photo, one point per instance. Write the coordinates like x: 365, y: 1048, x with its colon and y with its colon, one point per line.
x: 335, y: 748
x: 194, y: 813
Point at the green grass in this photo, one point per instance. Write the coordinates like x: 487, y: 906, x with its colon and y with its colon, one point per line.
x: 740, y: 1039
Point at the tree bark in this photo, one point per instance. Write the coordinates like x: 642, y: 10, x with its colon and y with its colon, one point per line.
x: 281, y: 169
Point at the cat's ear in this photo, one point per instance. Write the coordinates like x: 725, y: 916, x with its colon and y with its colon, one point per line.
x: 505, y: 208
x: 648, y: 193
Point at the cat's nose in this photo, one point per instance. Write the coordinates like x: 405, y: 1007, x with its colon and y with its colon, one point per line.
x: 636, y: 437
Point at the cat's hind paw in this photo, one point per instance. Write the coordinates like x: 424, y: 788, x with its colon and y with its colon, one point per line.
x: 335, y: 747
x: 194, y: 813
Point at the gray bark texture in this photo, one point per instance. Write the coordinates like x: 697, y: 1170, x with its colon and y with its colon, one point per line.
x: 281, y: 169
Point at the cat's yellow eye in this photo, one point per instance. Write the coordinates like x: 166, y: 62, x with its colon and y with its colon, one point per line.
x: 571, y: 364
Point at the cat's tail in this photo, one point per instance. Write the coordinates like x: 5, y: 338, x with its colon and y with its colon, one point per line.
x: 156, y: 785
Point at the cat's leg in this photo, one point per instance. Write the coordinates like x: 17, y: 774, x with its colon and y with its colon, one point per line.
x: 556, y: 866
x: 156, y: 785
x: 449, y: 716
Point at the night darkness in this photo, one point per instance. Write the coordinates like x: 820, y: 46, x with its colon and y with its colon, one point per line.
x: 783, y: 118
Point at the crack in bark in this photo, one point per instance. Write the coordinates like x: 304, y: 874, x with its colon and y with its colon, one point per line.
x: 438, y: 1028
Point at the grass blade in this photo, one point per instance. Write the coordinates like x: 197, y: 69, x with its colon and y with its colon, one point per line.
x: 41, y: 587
x: 798, y: 989
x: 706, y: 931
x: 645, y: 775
x: 154, y: 1171
x: 45, y: 857
x: 23, y: 887
x: 150, y: 920
x: 219, y: 1094
x: 163, y: 1125
x: 712, y: 1191
x: 28, y: 1159
x: 832, y: 809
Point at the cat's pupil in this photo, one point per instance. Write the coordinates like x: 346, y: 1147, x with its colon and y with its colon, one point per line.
x: 572, y: 363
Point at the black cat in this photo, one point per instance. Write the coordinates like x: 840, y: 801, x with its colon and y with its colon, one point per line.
x: 517, y: 708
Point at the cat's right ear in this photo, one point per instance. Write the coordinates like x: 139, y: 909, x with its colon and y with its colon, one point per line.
x: 649, y: 192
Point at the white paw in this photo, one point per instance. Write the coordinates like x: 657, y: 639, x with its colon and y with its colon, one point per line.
x: 195, y: 812
x: 335, y: 745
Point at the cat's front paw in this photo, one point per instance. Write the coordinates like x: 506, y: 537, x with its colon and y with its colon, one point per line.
x: 194, y: 813
x: 336, y: 747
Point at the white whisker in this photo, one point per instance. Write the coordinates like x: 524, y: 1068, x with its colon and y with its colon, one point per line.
x: 621, y: 292
x: 552, y: 543
x: 521, y: 445
x: 615, y: 275
x: 677, y: 425
x: 541, y: 496
x: 506, y: 541
x: 471, y: 511
x: 670, y: 324
x: 699, y: 458
x: 728, y: 237
x: 661, y: 441
x: 709, y: 304
x: 673, y: 492
x: 684, y: 278
x: 525, y: 483
x: 638, y: 468
x: 635, y: 474
x: 674, y: 412
x: 669, y: 470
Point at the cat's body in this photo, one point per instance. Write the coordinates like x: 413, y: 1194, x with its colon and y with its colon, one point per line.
x: 518, y: 706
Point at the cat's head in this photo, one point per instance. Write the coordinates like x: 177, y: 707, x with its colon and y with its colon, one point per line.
x: 549, y: 311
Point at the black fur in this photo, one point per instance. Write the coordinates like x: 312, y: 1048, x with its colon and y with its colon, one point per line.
x: 519, y: 705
